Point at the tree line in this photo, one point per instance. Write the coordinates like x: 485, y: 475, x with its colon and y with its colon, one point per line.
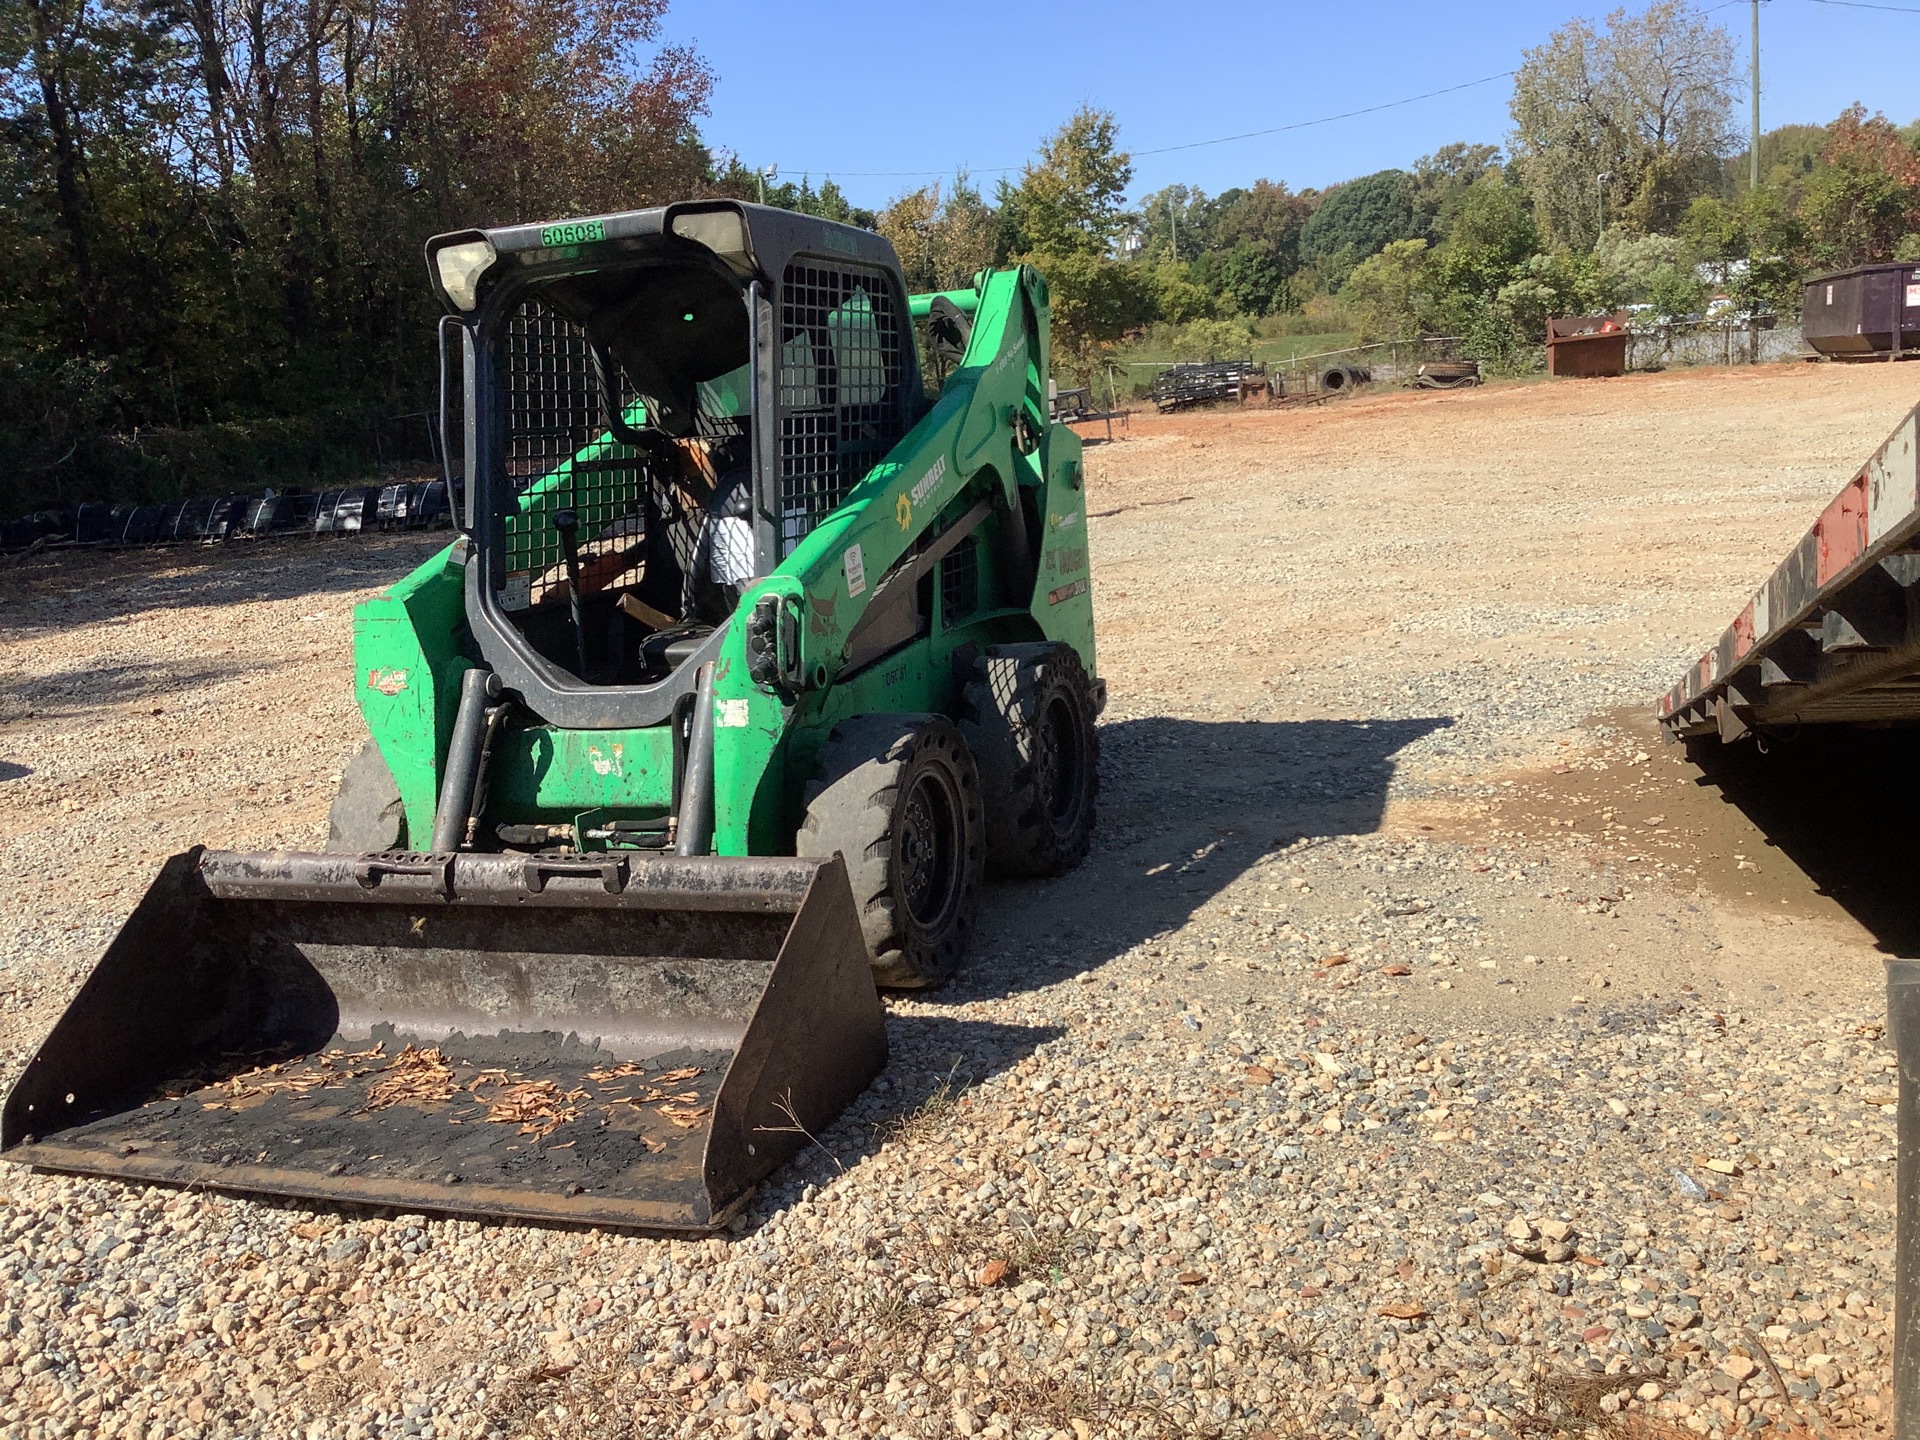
x: 213, y: 212
x: 1623, y: 182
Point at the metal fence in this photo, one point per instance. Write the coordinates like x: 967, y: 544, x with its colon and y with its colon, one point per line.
x: 1388, y: 361
x: 1708, y: 342
x: 1712, y: 342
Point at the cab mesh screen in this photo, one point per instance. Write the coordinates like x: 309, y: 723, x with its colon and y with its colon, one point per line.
x: 556, y: 433
x: 840, y: 369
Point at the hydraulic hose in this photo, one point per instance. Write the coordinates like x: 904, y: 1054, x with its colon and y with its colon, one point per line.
x: 457, y: 785
x: 694, y: 834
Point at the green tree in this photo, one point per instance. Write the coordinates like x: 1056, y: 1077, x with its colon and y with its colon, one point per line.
x: 1554, y: 282
x: 1250, y: 279
x: 828, y: 202
x: 1636, y: 117
x: 1267, y: 217
x: 1256, y: 246
x: 1854, y: 214
x: 1176, y: 296
x: 1865, y: 198
x: 1063, y: 217
x: 1789, y: 154
x: 909, y: 223
x: 1493, y: 282
x: 1389, y: 292
x: 1212, y: 339
x: 1442, y: 181
x: 1069, y: 201
x: 1749, y: 246
x: 1676, y: 292
x: 1628, y: 262
x: 967, y: 236
x: 1176, y: 222
x: 1492, y: 239
x: 1359, y: 219
x: 213, y: 210
x: 1094, y: 301
x: 943, y: 240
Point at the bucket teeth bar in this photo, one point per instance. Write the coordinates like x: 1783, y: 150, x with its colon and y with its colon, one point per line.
x: 632, y: 1041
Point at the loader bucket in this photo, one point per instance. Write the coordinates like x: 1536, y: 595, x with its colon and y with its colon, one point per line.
x: 600, y: 1039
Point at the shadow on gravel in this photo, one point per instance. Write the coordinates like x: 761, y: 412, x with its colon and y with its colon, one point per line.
x: 69, y: 588
x: 1186, y: 806
x: 88, y: 688
x: 1839, y: 804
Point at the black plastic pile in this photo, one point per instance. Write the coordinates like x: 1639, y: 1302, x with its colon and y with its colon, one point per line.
x: 1179, y: 386
x: 420, y: 505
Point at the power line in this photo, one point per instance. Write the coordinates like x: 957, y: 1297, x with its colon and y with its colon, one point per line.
x: 1329, y: 119
x: 1867, y: 5
x: 1309, y: 124
x: 1199, y: 144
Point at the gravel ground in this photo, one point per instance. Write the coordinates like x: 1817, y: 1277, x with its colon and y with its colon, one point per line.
x: 1419, y: 1054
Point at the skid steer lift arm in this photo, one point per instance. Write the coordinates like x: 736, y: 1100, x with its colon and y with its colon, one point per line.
x: 598, y: 931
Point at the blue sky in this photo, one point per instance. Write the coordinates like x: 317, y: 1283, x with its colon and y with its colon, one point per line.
x: 849, y: 87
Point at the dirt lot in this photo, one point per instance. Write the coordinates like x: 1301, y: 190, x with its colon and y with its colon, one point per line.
x: 1424, y: 1051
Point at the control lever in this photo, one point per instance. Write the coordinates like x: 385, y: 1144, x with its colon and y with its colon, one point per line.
x: 567, y: 522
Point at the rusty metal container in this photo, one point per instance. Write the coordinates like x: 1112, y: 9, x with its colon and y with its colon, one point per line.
x: 1871, y: 312
x: 1587, y: 346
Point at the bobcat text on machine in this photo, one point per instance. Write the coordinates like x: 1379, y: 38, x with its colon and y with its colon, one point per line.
x: 759, y: 646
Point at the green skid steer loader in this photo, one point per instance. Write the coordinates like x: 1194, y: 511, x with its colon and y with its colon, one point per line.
x: 760, y: 645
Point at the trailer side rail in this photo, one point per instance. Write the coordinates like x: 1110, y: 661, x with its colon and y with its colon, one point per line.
x: 1834, y: 634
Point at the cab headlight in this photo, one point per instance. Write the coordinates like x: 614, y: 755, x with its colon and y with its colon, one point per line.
x: 461, y: 267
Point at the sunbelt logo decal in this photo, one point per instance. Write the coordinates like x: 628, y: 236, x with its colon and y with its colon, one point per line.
x: 925, y: 485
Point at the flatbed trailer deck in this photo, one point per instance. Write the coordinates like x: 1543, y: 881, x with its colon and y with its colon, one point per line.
x: 1833, y: 636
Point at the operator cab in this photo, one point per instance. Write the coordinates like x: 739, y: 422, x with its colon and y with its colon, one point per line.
x: 659, y: 406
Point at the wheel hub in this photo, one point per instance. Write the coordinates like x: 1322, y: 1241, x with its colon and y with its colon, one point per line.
x: 926, y: 852
x: 1057, y: 759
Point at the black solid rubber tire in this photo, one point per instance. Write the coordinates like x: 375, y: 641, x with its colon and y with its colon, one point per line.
x: 1028, y: 718
x: 367, y: 815
x: 899, y: 797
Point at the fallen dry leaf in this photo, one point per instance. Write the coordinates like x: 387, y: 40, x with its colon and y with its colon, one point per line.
x: 617, y: 1072
x: 537, y: 1106
x: 418, y: 1076
x: 1404, y: 1310
x: 1333, y: 960
x: 1190, y: 1277
x: 1259, y: 1074
x: 685, y: 1116
x: 994, y: 1272
x: 1397, y: 970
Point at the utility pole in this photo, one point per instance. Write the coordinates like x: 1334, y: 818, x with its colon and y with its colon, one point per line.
x: 1753, y: 150
x: 1600, y: 194
x: 763, y: 175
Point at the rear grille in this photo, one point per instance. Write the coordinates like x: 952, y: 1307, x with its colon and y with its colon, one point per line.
x: 840, y: 367
x: 959, y: 583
